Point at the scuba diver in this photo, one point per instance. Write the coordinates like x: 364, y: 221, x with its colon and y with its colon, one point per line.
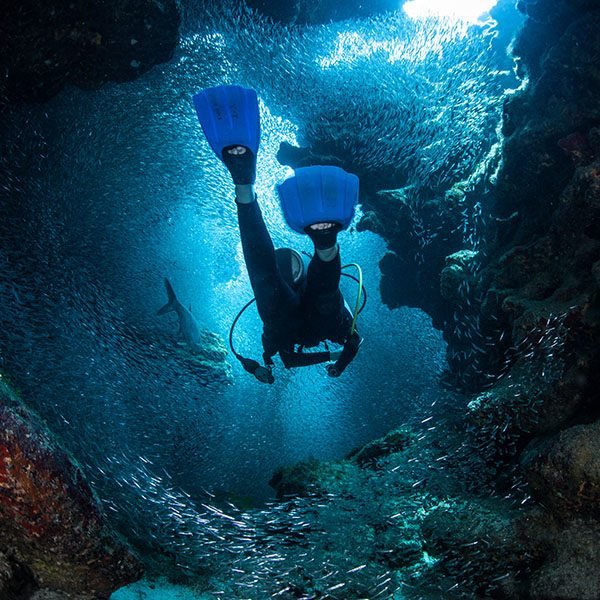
x: 299, y: 304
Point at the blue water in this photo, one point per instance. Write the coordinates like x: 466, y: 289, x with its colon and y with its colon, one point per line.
x: 112, y: 190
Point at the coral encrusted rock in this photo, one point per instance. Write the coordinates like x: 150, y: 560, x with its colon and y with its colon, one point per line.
x: 564, y: 471
x: 565, y: 553
x: 52, y: 532
x: 394, y: 441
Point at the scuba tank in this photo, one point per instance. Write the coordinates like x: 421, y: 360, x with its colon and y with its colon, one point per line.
x: 293, y: 266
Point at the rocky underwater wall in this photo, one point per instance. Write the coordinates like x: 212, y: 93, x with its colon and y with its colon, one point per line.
x: 519, y: 307
x: 54, y: 534
x: 47, y: 45
x: 539, y: 288
x: 508, y: 482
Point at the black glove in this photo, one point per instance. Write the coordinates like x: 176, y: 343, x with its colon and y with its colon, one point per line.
x: 241, y: 166
x: 349, y: 351
x: 332, y: 371
x: 263, y: 374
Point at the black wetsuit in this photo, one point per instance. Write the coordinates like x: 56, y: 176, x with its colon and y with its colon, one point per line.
x: 305, y: 317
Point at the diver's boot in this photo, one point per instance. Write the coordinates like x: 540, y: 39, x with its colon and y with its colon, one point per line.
x: 324, y: 237
x: 241, y: 163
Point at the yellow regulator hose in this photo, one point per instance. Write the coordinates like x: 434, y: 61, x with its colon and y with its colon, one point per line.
x: 358, y: 295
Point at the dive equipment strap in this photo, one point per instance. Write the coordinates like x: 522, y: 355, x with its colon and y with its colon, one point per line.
x: 292, y: 359
x: 303, y: 359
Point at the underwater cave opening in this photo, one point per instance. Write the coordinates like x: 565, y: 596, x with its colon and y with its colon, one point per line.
x: 115, y: 190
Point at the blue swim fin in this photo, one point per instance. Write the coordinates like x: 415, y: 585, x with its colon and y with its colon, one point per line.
x: 317, y: 195
x: 229, y: 116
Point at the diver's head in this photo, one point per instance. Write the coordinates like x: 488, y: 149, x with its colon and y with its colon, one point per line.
x: 292, y: 266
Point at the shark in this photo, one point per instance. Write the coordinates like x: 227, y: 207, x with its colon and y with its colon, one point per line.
x: 188, y: 326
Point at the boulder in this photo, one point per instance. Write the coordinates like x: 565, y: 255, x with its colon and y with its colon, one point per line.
x: 476, y: 544
x: 419, y: 240
x: 565, y: 555
x: 563, y: 471
x: 394, y: 441
x: 53, y: 534
x: 572, y: 570
x: 312, y: 477
x: 457, y: 275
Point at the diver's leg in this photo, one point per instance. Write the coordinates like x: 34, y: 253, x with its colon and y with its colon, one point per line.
x: 323, y: 298
x: 325, y: 267
x: 275, y: 299
x: 323, y: 275
x: 259, y: 252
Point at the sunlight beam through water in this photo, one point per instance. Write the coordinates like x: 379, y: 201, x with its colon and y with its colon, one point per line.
x: 463, y: 10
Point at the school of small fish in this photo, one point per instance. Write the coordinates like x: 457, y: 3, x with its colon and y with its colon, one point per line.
x: 414, y: 101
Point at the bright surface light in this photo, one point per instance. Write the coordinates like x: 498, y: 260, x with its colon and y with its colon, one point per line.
x: 466, y: 10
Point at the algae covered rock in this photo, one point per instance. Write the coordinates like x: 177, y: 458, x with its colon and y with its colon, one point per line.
x: 394, y: 441
x: 476, y: 543
x: 312, y: 477
x: 572, y: 572
x: 564, y: 471
x: 420, y: 235
x: 565, y: 552
x: 53, y: 533
x: 525, y: 405
x: 458, y: 273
